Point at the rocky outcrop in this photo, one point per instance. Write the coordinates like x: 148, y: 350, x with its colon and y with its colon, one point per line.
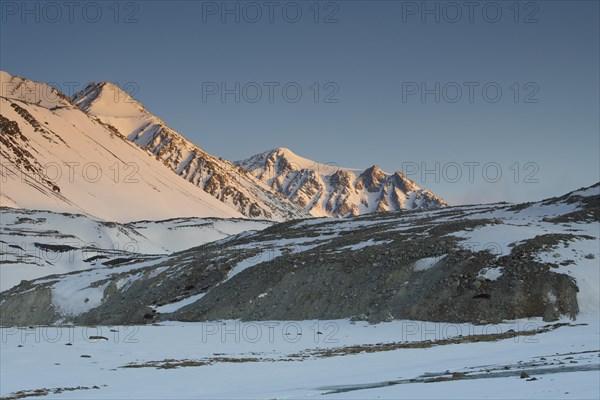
x: 14, y: 146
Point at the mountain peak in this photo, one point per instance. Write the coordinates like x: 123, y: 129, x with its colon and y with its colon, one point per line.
x: 372, y: 178
x: 328, y: 190
x: 5, y: 76
x: 38, y: 135
x: 17, y: 88
x: 282, y: 150
x: 375, y: 170
x: 282, y: 158
x: 292, y: 160
x: 111, y: 105
x: 108, y: 99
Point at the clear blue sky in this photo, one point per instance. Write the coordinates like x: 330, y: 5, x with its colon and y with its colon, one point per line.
x: 376, y: 56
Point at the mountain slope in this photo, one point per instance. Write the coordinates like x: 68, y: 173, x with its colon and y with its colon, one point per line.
x: 481, y: 264
x: 35, y: 244
x: 327, y: 190
x: 220, y: 178
x: 53, y: 156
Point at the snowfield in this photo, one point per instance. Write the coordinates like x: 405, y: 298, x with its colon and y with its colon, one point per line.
x: 289, y: 360
x: 35, y: 244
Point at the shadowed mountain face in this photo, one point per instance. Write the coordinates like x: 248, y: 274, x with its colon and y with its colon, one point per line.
x: 328, y: 190
x: 482, y: 264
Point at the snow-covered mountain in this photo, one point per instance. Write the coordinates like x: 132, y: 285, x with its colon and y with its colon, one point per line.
x: 218, y: 177
x: 102, y: 153
x: 55, y: 157
x: 328, y: 190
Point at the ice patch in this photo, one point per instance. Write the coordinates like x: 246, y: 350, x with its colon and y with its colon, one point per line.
x: 490, y: 274
x: 585, y: 270
x: 70, y: 299
x: 126, y: 282
x: 169, y: 308
x: 266, y: 255
x: 425, y: 263
x: 368, y: 243
x: 591, y: 191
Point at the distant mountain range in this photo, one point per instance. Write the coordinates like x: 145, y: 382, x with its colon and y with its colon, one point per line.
x: 328, y: 190
x: 103, y: 154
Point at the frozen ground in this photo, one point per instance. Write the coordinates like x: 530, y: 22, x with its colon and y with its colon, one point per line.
x: 277, y: 360
x: 35, y: 244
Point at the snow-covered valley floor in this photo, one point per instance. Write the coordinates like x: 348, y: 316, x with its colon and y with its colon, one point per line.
x: 284, y: 359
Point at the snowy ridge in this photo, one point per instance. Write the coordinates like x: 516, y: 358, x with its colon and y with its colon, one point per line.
x: 35, y: 244
x: 218, y: 177
x: 60, y: 159
x: 40, y: 94
x: 328, y: 190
